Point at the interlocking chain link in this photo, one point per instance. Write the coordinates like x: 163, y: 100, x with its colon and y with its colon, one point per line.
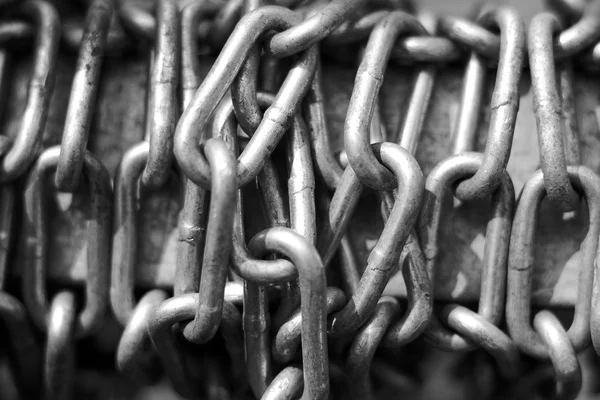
x: 268, y: 295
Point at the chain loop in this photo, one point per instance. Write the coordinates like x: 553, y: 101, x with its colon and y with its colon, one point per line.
x: 504, y: 106
x: 288, y: 337
x: 59, y: 360
x: 192, y: 219
x: 548, y: 111
x: 315, y: 28
x: 223, y: 72
x: 286, y: 384
x: 218, y: 245
x: 264, y: 272
x: 144, y: 25
x: 471, y: 35
x: 82, y: 99
x: 478, y: 330
x: 15, y: 31
x: 28, y: 141
x: 314, y: 113
x: 181, y: 309
x: 561, y: 353
x: 366, y: 88
x: 162, y: 96
x: 35, y: 243
x: 135, y: 355
x: 264, y: 300
x: 386, y: 252
x: 521, y: 262
x: 365, y: 343
x: 581, y: 35
x: 124, y: 244
x: 312, y: 286
x: 491, y: 301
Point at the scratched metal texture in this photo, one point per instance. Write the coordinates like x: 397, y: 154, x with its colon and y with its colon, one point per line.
x: 118, y: 125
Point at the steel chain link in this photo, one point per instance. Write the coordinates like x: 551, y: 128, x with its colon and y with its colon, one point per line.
x: 267, y: 273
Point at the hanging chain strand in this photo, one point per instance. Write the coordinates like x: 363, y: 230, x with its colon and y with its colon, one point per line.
x: 293, y: 252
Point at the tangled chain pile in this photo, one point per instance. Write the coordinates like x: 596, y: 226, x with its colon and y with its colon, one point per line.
x: 289, y: 310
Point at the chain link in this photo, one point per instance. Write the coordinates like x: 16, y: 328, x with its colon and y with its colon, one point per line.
x: 247, y: 151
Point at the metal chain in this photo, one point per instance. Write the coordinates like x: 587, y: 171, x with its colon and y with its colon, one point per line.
x: 295, y: 309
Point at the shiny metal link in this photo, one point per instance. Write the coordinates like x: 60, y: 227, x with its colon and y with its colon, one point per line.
x: 162, y: 99
x: 521, y: 262
x: 173, y: 356
x: 314, y: 113
x: 369, y: 79
x: 486, y: 335
x: 349, y: 266
x: 582, y: 34
x: 301, y: 194
x: 249, y: 268
x: 570, y: 124
x: 561, y: 353
x: 218, y: 81
x: 125, y: 226
x: 412, y: 124
x: 286, y: 384
x: 191, y: 228
x: 472, y: 35
x: 311, y: 273
x: 190, y: 78
x: 13, y: 31
x: 365, y: 343
x: 316, y: 27
x: 35, y: 242
x: 294, y: 311
x: 28, y: 140
x: 491, y: 303
x: 135, y: 355
x: 144, y: 24
x: 218, y: 245
x: 548, y: 110
x: 412, y: 262
x: 504, y: 104
x: 467, y: 121
x: 59, y: 357
x: 384, y: 256
x: 288, y: 337
x: 83, y: 96
x: 257, y: 338
x: 192, y: 219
